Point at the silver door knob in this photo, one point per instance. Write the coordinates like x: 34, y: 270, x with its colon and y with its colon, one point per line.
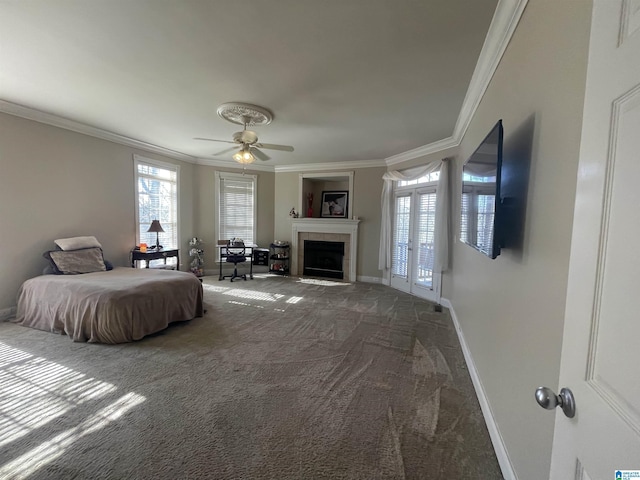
x: 547, y: 398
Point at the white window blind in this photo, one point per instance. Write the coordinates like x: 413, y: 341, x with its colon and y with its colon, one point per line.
x: 157, y: 192
x: 400, y: 250
x: 237, y: 207
x: 426, y: 237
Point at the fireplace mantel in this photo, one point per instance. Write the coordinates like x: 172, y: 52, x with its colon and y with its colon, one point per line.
x: 326, y: 225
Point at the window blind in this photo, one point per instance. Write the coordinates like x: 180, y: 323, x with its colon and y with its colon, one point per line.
x: 426, y: 233
x: 400, y: 250
x: 237, y: 198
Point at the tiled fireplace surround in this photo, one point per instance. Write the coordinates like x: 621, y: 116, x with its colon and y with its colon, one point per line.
x: 327, y: 230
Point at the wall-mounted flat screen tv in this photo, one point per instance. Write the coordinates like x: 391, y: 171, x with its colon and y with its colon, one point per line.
x: 480, y: 213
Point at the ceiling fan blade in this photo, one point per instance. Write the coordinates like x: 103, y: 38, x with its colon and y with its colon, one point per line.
x: 227, y: 150
x: 271, y: 146
x: 261, y: 155
x: 213, y: 140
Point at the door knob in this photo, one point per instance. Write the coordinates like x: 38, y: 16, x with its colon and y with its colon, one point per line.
x: 547, y: 398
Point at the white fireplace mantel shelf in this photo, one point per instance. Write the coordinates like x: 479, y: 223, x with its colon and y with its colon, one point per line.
x: 326, y: 225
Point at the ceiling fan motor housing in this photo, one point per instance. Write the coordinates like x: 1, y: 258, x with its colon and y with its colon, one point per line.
x: 246, y: 136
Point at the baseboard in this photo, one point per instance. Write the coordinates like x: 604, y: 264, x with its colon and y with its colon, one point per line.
x: 494, y: 432
x: 7, y: 313
x: 366, y: 279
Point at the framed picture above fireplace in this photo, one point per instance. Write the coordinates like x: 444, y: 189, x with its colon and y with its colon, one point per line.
x: 335, y: 204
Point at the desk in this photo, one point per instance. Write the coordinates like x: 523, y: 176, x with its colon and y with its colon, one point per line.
x: 137, y: 255
x: 248, y: 252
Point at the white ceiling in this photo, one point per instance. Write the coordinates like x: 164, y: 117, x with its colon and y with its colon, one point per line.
x: 346, y: 80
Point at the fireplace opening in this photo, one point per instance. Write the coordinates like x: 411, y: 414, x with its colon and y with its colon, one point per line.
x: 323, y: 259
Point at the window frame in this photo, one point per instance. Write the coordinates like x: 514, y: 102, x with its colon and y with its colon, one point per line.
x: 137, y: 160
x: 219, y: 176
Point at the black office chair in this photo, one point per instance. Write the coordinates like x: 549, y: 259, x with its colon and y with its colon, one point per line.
x: 235, y: 253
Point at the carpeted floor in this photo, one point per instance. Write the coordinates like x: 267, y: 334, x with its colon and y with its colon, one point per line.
x: 282, y: 379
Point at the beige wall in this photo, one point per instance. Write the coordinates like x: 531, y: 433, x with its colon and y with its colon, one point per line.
x: 511, y: 309
x: 367, y: 185
x: 55, y: 183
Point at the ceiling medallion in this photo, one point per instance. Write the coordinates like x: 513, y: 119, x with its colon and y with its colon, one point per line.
x: 245, y: 114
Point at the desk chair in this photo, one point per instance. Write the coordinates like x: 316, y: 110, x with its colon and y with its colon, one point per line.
x: 234, y: 253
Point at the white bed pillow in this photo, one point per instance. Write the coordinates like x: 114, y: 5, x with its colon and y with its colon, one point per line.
x: 76, y: 243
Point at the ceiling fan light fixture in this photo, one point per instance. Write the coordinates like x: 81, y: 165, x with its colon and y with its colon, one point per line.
x: 244, y: 157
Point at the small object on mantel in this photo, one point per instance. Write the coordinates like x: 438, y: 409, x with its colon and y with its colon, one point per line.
x: 293, y: 213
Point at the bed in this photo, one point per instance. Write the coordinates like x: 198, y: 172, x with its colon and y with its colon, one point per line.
x: 115, y: 306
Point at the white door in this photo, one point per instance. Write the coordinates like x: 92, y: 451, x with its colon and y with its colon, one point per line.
x: 413, y: 252
x: 601, y: 343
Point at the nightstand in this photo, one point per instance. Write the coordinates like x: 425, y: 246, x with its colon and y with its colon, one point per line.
x: 162, y: 254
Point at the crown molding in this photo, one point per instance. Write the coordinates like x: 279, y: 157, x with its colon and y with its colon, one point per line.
x: 233, y: 164
x: 65, y: 123
x: 504, y: 23
x: 434, y: 147
x: 321, y: 167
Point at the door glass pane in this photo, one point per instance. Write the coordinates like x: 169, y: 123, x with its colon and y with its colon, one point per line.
x: 399, y: 266
x: 426, y: 229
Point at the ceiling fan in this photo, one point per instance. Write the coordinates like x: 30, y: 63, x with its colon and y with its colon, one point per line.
x: 246, y: 141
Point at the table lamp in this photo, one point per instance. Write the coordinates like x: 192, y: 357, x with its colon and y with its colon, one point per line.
x: 156, y: 227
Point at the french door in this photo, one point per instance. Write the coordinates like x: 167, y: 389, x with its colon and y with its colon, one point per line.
x: 413, y: 252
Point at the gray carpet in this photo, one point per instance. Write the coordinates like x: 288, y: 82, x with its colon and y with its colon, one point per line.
x: 282, y: 379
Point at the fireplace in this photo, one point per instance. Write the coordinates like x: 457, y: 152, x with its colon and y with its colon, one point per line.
x: 341, y: 230
x: 323, y: 259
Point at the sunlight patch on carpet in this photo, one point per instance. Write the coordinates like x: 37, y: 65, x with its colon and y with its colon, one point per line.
x: 48, y: 451
x: 323, y: 283
x: 244, y: 304
x: 253, y: 295
x: 212, y: 288
x: 35, y: 391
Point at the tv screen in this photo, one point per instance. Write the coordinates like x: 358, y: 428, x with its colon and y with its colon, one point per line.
x: 480, y: 207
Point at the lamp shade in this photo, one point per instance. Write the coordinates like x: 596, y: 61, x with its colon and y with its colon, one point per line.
x: 155, y: 226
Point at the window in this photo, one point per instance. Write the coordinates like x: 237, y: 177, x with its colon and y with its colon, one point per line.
x: 431, y: 177
x: 157, y: 199
x: 237, y: 206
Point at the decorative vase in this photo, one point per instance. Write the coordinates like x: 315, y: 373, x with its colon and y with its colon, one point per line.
x: 310, y: 212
